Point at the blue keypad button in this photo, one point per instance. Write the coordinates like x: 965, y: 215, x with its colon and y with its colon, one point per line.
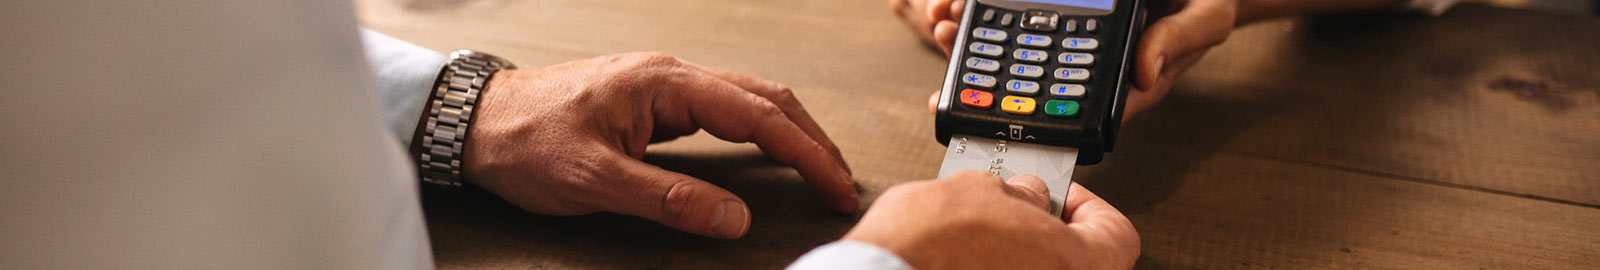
x: 1027, y: 71
x: 987, y: 65
x: 990, y: 34
x: 986, y: 49
x: 1080, y: 44
x: 1022, y: 88
x: 1036, y: 41
x: 1031, y: 56
x: 1072, y: 74
x: 978, y: 80
x: 1072, y: 91
x: 1076, y: 59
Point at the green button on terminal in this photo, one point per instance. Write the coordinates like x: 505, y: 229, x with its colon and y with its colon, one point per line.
x: 1062, y: 108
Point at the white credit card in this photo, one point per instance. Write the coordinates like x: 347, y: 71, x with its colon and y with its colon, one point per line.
x: 1004, y: 158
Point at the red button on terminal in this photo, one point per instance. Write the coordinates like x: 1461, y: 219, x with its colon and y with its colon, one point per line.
x: 977, y: 99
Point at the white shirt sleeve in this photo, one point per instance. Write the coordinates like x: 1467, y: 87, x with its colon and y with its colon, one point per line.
x: 198, y: 134
x: 405, y: 73
x: 1434, y: 7
x: 849, y: 255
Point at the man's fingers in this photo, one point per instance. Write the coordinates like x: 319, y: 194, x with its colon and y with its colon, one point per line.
x: 1031, y: 189
x: 946, y: 18
x: 785, y: 99
x: 957, y: 8
x: 944, y: 35
x: 731, y: 113
x: 933, y: 102
x: 1024, y: 187
x: 676, y: 200
x: 937, y: 10
x: 1198, y: 25
x: 1144, y: 99
x: 1085, y: 207
x: 1099, y: 223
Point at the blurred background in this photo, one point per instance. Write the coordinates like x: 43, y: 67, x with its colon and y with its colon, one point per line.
x: 1591, y: 7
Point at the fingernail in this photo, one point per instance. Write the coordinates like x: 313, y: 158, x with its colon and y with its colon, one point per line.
x: 855, y: 197
x: 1160, y: 61
x: 731, y: 219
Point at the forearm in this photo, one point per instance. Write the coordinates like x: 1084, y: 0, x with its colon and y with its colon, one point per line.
x: 1251, y: 11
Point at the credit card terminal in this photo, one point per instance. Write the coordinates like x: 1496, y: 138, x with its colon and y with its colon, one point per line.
x: 1035, y: 86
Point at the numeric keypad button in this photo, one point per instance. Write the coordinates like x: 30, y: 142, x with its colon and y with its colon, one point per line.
x: 1072, y: 74
x: 1080, y: 44
x: 1072, y: 91
x: 1036, y: 41
x: 1032, y: 56
x: 1027, y: 71
x: 981, y: 64
x: 1076, y: 59
x: 986, y: 49
x: 990, y: 34
x: 1022, y: 88
x: 978, y: 80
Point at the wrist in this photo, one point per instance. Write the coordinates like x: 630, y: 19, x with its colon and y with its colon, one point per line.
x: 449, y: 115
x: 903, y: 245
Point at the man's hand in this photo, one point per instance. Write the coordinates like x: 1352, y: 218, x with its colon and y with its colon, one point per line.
x: 973, y: 220
x: 1182, y: 32
x: 567, y: 139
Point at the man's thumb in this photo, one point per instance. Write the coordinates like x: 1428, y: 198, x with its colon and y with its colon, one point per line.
x: 680, y: 201
x: 1195, y: 27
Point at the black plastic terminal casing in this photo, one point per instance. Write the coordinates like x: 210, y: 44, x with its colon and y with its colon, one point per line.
x: 1093, y: 131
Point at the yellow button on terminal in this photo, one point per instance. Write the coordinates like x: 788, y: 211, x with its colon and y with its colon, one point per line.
x: 1018, y: 105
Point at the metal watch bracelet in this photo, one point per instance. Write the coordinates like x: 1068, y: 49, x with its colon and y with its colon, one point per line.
x: 450, y: 109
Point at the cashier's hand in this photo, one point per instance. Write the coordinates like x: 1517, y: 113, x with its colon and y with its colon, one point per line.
x: 973, y: 220
x: 567, y: 140
x: 1183, y: 32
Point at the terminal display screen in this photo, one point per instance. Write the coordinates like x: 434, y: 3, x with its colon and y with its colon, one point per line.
x: 1094, y: 4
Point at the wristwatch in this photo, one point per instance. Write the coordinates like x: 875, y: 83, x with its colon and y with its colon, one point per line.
x: 450, y: 114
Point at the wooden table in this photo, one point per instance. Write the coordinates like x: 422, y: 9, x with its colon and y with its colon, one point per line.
x: 1379, y: 141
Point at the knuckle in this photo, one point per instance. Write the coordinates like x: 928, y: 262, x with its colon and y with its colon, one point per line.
x: 766, y: 109
x: 765, y: 115
x: 678, y: 199
x: 784, y: 95
x: 657, y: 59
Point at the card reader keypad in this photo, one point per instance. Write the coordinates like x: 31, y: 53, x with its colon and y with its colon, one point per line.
x: 1041, y: 71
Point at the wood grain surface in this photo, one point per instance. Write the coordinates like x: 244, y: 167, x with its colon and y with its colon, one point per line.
x: 1468, y: 141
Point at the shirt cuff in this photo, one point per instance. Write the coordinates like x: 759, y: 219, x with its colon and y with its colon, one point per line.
x: 849, y: 255
x: 405, y: 73
x: 1434, y: 7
